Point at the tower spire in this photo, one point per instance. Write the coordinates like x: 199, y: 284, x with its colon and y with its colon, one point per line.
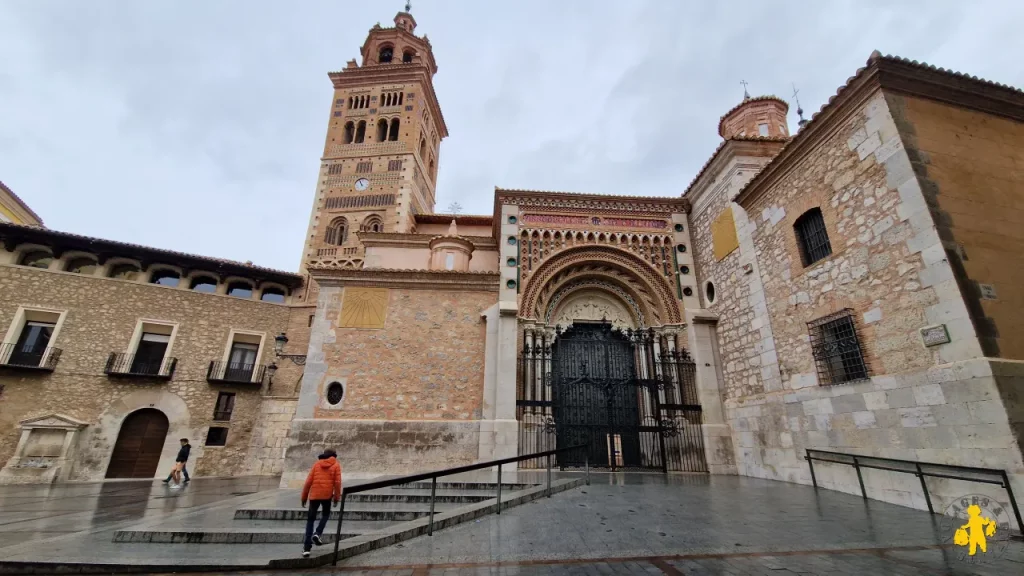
x: 408, y: 5
x: 746, y: 95
x: 799, y: 110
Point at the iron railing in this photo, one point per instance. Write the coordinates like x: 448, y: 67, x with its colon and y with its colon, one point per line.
x: 121, y: 364
x: 433, y: 476
x: 919, y: 469
x: 43, y: 358
x: 235, y: 373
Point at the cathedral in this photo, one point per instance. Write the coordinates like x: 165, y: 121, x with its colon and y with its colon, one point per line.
x: 849, y: 287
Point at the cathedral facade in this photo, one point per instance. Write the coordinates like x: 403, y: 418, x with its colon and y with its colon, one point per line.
x: 849, y: 287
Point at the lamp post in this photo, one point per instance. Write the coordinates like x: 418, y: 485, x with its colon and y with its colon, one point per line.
x: 279, y: 341
x: 271, y: 370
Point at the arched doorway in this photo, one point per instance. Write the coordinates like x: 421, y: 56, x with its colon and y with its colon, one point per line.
x: 139, y: 444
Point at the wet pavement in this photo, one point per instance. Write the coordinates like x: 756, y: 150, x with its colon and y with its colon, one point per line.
x: 621, y: 524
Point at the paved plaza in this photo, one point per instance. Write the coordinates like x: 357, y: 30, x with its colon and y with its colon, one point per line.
x: 620, y: 524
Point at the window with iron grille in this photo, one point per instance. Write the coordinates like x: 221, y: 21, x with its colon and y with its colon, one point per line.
x: 812, y: 236
x: 334, y: 169
x: 394, y: 165
x: 836, y: 348
x: 364, y: 167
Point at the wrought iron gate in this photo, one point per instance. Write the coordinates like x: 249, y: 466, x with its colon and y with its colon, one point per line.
x: 630, y: 395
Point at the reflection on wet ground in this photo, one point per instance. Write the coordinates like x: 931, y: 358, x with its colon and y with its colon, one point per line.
x: 30, y: 512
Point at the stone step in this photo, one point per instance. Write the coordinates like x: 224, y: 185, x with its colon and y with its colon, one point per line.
x: 286, y: 533
x: 375, y: 511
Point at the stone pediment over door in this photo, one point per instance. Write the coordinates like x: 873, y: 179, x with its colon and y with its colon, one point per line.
x: 53, y: 420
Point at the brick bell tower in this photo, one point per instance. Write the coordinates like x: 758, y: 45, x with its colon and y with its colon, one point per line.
x: 384, y: 131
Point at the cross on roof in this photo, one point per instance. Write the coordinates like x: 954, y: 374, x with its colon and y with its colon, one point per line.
x: 745, y: 93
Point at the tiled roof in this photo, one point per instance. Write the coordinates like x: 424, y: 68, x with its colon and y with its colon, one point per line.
x: 587, y: 195
x: 714, y: 154
x: 461, y: 219
x: 46, y: 236
x: 748, y: 101
x: 873, y: 62
x: 20, y: 202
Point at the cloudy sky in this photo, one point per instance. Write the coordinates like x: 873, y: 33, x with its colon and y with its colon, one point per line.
x: 198, y: 125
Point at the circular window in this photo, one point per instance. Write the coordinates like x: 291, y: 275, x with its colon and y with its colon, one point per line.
x: 512, y: 219
x: 679, y: 227
x: 335, y: 392
x: 684, y: 269
x: 511, y: 262
x: 687, y: 291
x: 681, y: 248
x: 709, y: 291
x: 511, y: 283
x: 511, y: 240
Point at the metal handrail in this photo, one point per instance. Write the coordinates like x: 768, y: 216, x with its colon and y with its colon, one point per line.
x: 857, y: 461
x: 433, y: 476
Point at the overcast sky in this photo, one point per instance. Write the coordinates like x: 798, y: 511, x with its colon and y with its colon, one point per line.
x: 198, y: 125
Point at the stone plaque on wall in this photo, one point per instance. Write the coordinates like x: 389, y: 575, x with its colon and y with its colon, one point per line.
x: 723, y: 234
x: 364, y: 308
x: 935, y: 335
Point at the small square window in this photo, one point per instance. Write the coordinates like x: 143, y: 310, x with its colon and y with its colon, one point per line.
x: 224, y: 407
x: 762, y: 129
x: 337, y: 113
x: 217, y: 436
x: 835, y: 345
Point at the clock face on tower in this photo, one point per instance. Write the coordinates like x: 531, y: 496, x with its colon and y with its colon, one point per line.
x: 362, y: 184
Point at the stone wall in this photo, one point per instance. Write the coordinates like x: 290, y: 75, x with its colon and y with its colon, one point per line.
x: 971, y: 166
x: 267, y: 442
x: 101, y: 316
x: 413, y: 383
x: 943, y: 403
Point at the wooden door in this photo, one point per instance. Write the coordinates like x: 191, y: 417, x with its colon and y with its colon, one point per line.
x: 139, y: 444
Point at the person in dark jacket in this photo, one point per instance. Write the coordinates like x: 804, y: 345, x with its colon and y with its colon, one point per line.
x: 179, y: 463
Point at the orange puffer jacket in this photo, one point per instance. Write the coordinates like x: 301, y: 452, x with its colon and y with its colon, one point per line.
x: 324, y: 481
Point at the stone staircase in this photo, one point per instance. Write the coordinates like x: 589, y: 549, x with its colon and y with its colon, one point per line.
x: 371, y: 520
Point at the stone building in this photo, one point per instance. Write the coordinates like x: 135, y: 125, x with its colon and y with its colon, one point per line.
x: 850, y: 288
x: 113, y: 352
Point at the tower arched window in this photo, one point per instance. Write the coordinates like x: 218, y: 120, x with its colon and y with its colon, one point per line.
x: 423, y: 149
x: 373, y: 223
x: 386, y: 52
x: 407, y: 56
x: 350, y: 102
x: 382, y: 130
x: 337, y: 232
x: 360, y: 132
x: 393, y: 135
x: 431, y: 167
x: 812, y: 237
x: 350, y: 132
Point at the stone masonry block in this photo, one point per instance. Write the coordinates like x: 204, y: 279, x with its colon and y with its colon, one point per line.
x: 868, y: 146
x: 917, y: 417
x: 929, y: 395
x: 849, y: 403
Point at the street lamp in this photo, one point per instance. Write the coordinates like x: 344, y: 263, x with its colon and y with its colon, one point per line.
x: 271, y: 370
x: 279, y: 341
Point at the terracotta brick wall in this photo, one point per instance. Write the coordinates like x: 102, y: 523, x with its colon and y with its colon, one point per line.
x: 101, y: 316
x: 427, y: 363
x: 971, y: 166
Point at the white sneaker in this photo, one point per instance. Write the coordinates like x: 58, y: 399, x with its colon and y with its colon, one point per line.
x: 317, y: 540
x: 305, y: 553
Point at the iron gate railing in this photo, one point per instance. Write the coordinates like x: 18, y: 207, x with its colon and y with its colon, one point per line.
x: 630, y: 396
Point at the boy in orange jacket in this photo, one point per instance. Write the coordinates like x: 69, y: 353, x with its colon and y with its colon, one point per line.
x: 322, y: 486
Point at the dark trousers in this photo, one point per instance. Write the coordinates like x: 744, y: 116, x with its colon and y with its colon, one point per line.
x: 184, y: 472
x: 307, y: 544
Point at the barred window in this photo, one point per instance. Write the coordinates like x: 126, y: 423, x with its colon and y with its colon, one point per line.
x: 334, y: 169
x: 394, y: 165
x: 836, y: 348
x: 812, y: 236
x: 364, y: 167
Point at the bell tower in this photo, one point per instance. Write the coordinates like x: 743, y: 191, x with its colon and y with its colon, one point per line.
x: 380, y: 158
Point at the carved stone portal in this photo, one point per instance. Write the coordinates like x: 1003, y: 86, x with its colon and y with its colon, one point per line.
x: 593, y: 305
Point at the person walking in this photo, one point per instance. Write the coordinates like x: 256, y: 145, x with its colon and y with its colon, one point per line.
x: 179, y: 463
x: 323, y: 484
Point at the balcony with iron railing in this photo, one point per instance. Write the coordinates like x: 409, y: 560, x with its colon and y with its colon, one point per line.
x: 20, y: 357
x: 235, y: 373
x: 134, y: 365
